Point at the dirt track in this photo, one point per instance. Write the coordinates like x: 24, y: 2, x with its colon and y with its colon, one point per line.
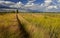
x: 12, y: 28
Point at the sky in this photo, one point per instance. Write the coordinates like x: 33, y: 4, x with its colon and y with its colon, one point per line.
x: 38, y: 5
x: 25, y: 1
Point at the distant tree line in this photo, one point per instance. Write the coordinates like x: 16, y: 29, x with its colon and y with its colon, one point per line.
x: 17, y: 11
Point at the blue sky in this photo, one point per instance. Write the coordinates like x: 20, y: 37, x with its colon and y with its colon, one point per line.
x: 12, y: 0
x: 39, y: 5
x: 25, y: 1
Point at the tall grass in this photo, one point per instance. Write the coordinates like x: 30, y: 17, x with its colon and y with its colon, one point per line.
x: 9, y: 26
x: 48, y: 24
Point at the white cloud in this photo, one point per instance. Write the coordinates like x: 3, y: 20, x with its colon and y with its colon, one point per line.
x: 6, y: 3
x: 1, y: 2
x: 50, y: 7
x: 58, y: 1
x: 46, y: 6
x: 31, y: 0
x: 11, y: 4
x: 33, y: 6
x: 47, y: 2
x: 29, y: 4
x: 17, y: 5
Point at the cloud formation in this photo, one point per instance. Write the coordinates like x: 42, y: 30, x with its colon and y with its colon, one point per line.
x: 6, y: 3
x: 31, y: 0
x: 48, y: 5
x: 17, y: 5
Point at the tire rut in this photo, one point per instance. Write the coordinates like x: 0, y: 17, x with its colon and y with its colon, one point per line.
x: 24, y: 33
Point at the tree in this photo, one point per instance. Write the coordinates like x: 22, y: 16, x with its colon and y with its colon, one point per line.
x: 17, y: 11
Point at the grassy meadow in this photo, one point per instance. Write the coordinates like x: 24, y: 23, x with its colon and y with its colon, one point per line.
x: 36, y: 25
x: 42, y: 25
x: 9, y: 26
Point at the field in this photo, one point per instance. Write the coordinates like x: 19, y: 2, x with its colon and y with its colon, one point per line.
x: 30, y: 25
x: 9, y: 26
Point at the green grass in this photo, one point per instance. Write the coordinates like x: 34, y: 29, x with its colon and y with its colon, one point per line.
x: 47, y: 24
x: 38, y: 25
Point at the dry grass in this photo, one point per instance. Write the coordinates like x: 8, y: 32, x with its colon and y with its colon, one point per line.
x: 47, y: 24
x: 38, y: 25
x: 8, y: 26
